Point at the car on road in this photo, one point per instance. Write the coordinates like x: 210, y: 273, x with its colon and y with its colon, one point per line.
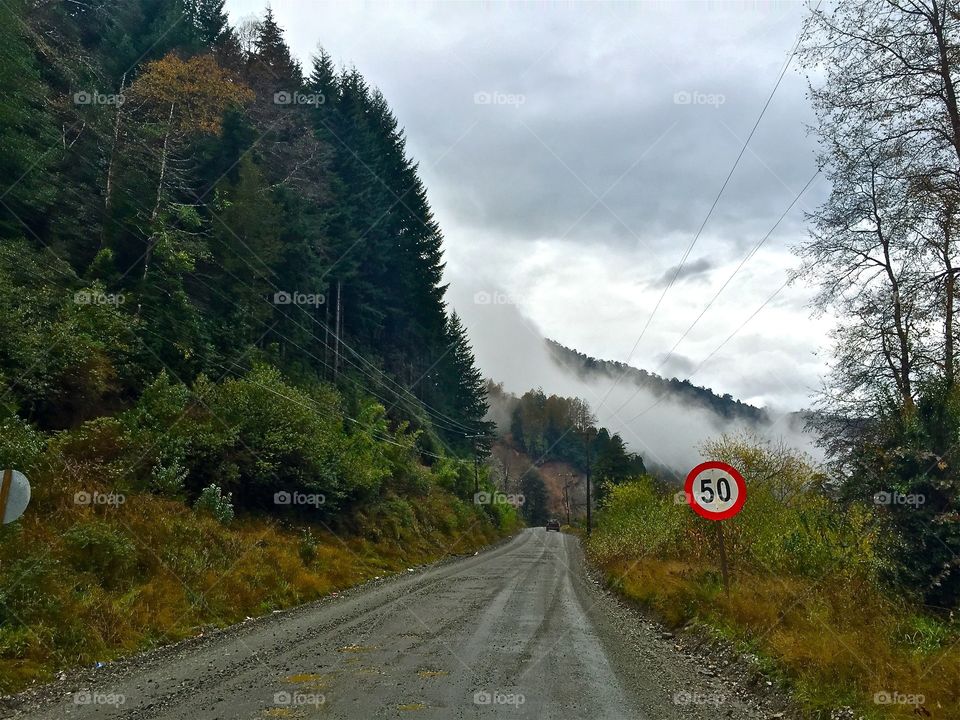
x: 553, y: 525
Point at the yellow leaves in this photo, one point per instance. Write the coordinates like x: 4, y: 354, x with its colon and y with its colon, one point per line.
x: 192, y: 93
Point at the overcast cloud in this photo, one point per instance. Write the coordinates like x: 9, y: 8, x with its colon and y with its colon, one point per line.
x: 572, y: 151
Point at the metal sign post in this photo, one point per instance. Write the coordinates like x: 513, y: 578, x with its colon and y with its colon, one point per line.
x: 717, y: 491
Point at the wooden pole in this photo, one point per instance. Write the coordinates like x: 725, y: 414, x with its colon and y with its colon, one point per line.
x: 5, y: 492
x: 724, y: 570
x: 589, y: 493
x: 336, y: 335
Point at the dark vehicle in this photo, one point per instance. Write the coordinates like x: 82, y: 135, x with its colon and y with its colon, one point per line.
x: 553, y: 525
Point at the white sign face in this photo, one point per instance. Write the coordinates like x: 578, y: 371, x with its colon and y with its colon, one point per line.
x: 18, y: 495
x: 716, y: 490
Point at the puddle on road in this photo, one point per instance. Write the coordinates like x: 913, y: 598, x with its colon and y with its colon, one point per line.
x: 311, y: 681
x: 412, y: 707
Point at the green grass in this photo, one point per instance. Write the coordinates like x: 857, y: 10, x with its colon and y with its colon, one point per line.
x: 87, y: 584
x: 807, y: 593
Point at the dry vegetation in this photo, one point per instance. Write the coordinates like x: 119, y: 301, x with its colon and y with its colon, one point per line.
x: 810, y: 597
x: 81, y: 584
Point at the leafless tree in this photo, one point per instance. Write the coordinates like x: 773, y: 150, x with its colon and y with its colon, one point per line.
x: 883, y: 77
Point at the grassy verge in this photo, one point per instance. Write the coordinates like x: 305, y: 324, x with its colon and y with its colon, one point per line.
x: 81, y: 584
x: 808, y: 597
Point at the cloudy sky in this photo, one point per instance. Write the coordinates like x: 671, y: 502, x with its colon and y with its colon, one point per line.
x: 572, y: 151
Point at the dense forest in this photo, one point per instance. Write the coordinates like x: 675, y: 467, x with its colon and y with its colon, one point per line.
x: 227, y: 366
x: 187, y: 214
x: 556, y: 428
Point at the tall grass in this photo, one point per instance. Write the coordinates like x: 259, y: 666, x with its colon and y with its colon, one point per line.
x: 81, y: 584
x: 808, y: 591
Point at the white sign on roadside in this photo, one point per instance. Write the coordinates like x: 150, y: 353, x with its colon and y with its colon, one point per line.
x: 14, y: 495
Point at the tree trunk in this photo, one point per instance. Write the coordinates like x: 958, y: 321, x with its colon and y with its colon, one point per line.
x: 151, y: 241
x: 108, y: 191
x: 949, y: 89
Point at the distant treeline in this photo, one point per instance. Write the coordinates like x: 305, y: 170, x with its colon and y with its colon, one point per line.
x: 682, y: 391
x: 562, y: 428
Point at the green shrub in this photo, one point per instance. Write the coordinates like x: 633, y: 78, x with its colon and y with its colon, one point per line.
x: 20, y: 444
x: 308, y: 546
x: 212, y: 500
x: 101, y: 549
x: 32, y: 590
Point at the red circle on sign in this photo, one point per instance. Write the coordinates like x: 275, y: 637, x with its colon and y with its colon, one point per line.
x: 732, y: 472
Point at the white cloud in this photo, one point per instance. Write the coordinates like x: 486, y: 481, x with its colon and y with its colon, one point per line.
x: 642, y: 105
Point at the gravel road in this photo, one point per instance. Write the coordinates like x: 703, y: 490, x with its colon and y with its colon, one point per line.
x: 519, y: 630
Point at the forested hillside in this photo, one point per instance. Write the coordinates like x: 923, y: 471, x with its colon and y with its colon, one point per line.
x: 682, y: 391
x: 560, y: 429
x: 226, y: 362
x: 184, y: 197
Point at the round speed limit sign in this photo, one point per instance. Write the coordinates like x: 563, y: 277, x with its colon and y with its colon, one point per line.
x: 715, y: 490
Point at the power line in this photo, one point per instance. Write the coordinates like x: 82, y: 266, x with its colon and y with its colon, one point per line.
x: 719, y: 347
x: 753, y: 251
x: 713, y: 206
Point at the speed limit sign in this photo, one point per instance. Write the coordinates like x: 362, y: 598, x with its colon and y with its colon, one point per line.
x: 715, y: 490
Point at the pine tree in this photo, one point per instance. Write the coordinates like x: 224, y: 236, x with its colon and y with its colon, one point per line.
x: 28, y: 144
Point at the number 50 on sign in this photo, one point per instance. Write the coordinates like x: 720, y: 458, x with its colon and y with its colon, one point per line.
x: 715, y: 490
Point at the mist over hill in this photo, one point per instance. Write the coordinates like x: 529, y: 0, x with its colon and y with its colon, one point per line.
x: 665, y: 420
x: 661, y: 388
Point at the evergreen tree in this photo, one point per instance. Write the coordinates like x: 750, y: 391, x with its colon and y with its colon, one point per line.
x: 534, y: 498
x: 28, y: 143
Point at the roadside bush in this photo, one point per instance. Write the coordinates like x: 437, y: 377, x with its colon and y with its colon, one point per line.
x: 31, y: 591
x: 213, y: 501
x: 21, y: 446
x: 101, y: 549
x: 807, y: 595
x: 907, y: 470
x: 260, y: 436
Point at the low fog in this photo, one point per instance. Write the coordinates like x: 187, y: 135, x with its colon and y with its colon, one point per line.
x: 511, y: 350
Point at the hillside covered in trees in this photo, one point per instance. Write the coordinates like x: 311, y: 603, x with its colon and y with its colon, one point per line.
x: 227, y: 366
x: 561, y: 429
x: 186, y: 198
x: 681, y: 391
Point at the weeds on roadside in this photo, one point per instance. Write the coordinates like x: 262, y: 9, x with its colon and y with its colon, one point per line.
x: 810, y: 587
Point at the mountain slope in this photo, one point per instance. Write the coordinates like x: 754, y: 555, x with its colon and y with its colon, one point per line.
x: 589, y: 368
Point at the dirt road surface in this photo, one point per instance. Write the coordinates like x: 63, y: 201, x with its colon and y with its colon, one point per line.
x: 518, y: 631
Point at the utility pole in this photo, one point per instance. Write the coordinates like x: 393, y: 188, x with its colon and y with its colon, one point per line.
x: 336, y: 336
x: 589, y: 497
x: 476, y: 461
x: 585, y: 428
x: 326, y: 335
